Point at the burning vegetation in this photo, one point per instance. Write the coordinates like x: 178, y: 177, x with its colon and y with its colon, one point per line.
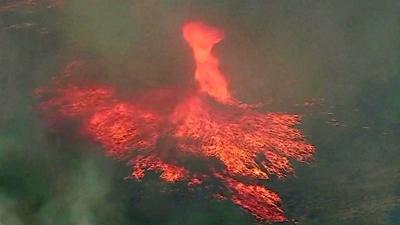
x: 206, y: 123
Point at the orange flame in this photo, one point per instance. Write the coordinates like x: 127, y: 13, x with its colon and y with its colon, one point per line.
x: 210, y: 79
x: 249, y: 145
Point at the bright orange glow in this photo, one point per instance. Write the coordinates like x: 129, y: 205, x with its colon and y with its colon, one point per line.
x: 261, y: 202
x: 210, y: 79
x: 64, y: 100
x: 236, y: 137
x: 158, y: 128
x: 169, y: 172
x: 123, y: 127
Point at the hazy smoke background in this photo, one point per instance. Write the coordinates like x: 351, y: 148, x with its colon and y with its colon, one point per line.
x: 285, y: 53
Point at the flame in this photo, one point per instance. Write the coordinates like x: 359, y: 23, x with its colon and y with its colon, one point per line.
x: 258, y: 200
x: 201, y: 38
x: 206, y: 123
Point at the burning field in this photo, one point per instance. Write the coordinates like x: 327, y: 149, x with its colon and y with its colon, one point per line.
x: 161, y: 130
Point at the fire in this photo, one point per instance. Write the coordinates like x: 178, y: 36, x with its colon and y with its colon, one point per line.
x: 206, y: 123
x: 201, y: 38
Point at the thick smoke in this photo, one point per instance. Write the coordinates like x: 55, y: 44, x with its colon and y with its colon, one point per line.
x: 285, y: 53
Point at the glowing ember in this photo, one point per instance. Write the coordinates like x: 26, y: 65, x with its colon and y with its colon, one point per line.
x: 207, y: 123
x: 169, y: 172
x: 260, y: 201
x: 123, y: 127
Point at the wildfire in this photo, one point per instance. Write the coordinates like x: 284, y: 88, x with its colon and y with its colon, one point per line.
x: 207, y: 123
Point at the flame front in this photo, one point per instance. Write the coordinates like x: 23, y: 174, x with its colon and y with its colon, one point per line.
x: 207, y: 123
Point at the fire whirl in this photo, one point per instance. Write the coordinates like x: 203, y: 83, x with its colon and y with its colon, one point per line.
x: 207, y: 123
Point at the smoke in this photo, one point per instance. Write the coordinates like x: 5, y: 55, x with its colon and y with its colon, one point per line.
x: 279, y: 52
x: 82, y: 198
x: 8, y: 211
